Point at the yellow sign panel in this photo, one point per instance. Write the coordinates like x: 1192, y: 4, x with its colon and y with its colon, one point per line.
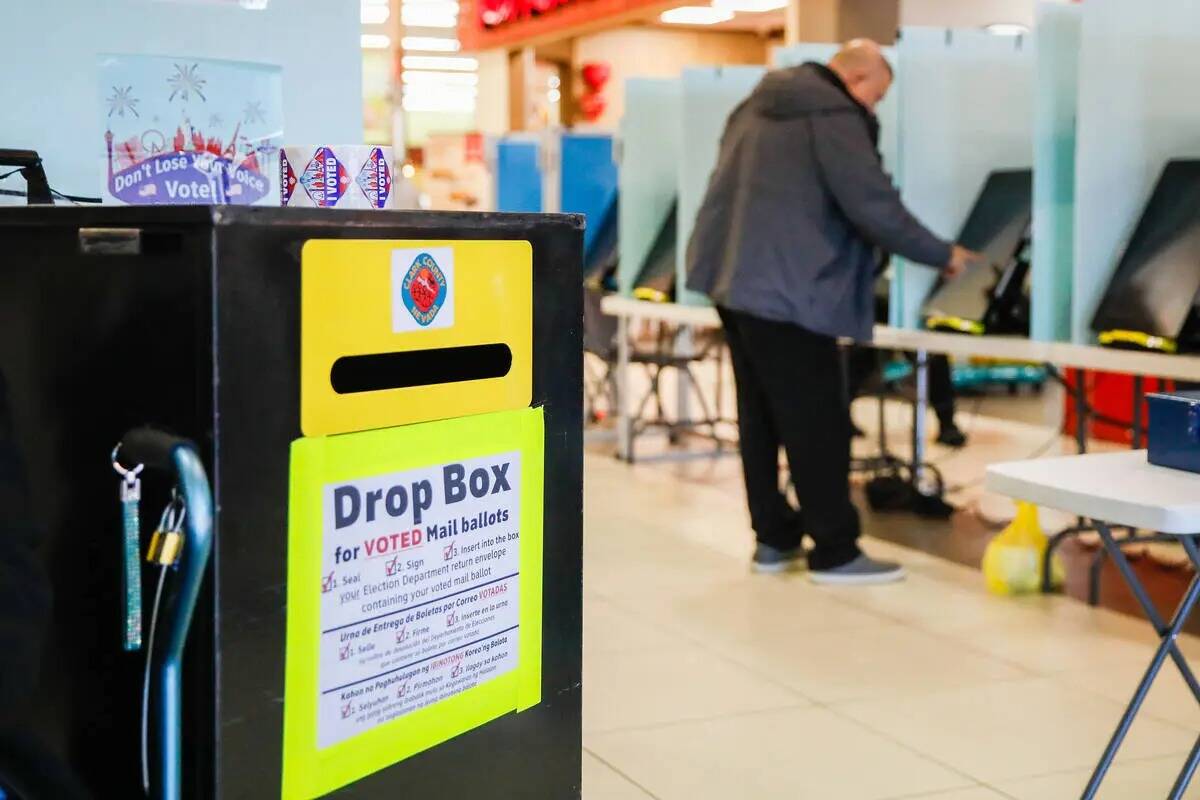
x: 414, y: 599
x: 402, y: 331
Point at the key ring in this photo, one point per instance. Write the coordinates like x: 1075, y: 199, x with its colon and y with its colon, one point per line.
x: 130, y: 475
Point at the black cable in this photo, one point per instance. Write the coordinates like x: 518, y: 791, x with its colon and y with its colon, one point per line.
x: 75, y: 198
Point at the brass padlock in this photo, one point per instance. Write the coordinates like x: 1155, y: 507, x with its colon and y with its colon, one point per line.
x: 165, y: 547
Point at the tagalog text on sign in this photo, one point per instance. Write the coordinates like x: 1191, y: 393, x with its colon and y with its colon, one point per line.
x: 419, y: 590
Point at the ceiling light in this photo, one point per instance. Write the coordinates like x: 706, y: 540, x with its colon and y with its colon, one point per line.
x: 432, y: 17
x: 373, y: 14
x: 440, y: 98
x: 554, y: 95
x: 375, y: 41
x: 421, y: 78
x: 430, y: 44
x: 452, y: 63
x: 695, y: 15
x: 750, y: 6
x: 1008, y: 29
x: 443, y: 104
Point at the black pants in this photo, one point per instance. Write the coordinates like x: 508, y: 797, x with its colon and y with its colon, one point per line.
x: 790, y: 394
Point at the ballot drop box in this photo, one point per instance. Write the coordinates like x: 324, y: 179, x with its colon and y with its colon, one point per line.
x: 388, y: 405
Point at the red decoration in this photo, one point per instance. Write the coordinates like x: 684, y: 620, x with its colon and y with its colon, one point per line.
x: 596, y: 74
x: 592, y: 106
x: 494, y: 13
x: 592, y: 103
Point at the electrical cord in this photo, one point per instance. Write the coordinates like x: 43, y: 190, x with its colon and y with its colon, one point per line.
x: 74, y: 198
x: 162, y: 575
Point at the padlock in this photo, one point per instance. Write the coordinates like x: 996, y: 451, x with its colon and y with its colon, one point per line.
x: 165, y: 547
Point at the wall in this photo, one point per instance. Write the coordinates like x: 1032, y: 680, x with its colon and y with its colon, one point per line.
x: 55, y: 106
x: 491, y: 107
x: 656, y: 53
x: 839, y: 20
x: 965, y: 13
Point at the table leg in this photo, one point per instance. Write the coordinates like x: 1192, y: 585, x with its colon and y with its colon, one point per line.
x: 685, y: 347
x: 1167, y: 646
x: 624, y: 423
x: 1137, y: 411
x: 1143, y: 598
x: 1081, y: 412
x: 1082, y: 418
x: 1185, y: 776
x: 920, y: 413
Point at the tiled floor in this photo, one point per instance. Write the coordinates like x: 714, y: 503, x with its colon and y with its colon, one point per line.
x: 703, y: 681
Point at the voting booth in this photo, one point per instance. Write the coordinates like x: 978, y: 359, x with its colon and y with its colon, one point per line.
x: 388, y: 405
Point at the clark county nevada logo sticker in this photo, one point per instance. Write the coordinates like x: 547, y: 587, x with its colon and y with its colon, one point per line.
x: 422, y: 289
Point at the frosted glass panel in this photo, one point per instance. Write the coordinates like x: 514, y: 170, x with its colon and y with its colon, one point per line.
x: 648, y: 170
x: 1136, y: 111
x: 51, y: 94
x: 1056, y: 45
x: 965, y: 101
x: 887, y: 111
x: 709, y: 95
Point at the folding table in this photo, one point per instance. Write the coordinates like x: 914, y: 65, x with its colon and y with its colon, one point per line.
x: 1123, y: 489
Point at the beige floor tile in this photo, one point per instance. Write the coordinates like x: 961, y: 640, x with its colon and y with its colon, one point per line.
x: 649, y: 578
x: 974, y: 793
x: 1169, y: 699
x: 608, y: 628
x: 742, y: 607
x: 934, y: 605
x: 867, y: 663
x: 789, y: 754
x: 1059, y: 634
x: 631, y: 690
x: 1134, y: 780
x: 601, y: 782
x: 1015, y: 729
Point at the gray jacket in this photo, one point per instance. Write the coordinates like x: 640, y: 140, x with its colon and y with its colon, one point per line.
x: 796, y: 207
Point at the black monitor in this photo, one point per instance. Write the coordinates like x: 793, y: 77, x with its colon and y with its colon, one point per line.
x: 656, y: 281
x: 600, y: 260
x: 29, y: 164
x: 987, y: 298
x: 1154, y: 289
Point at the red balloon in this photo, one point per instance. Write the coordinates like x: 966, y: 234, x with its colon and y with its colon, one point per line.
x: 596, y: 74
x: 592, y: 105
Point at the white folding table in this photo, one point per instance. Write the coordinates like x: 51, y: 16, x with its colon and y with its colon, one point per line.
x: 1123, y: 489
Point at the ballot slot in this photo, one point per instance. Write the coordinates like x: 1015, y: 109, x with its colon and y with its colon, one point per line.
x: 1151, y: 302
x: 397, y: 332
x: 413, y: 368
x: 992, y: 296
x: 656, y: 280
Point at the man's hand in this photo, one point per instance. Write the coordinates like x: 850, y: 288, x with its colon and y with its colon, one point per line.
x: 960, y: 259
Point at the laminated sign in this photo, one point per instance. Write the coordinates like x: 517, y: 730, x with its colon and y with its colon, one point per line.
x: 414, y: 549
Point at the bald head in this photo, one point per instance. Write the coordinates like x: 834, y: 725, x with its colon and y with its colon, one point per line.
x: 861, y: 66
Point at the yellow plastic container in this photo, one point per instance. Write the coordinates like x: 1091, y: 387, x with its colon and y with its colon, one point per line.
x: 1012, y: 563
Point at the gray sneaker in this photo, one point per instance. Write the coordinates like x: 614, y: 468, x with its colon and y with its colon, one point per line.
x: 862, y: 571
x: 771, y: 560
